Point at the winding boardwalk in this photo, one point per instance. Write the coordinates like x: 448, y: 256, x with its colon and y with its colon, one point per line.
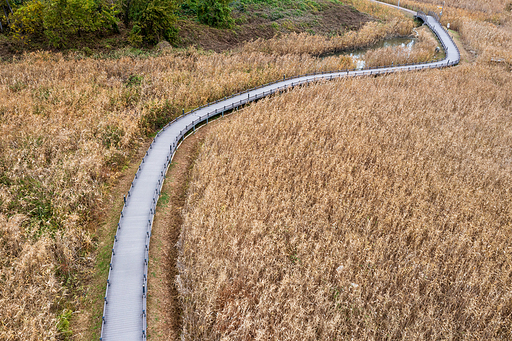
x: 124, y: 313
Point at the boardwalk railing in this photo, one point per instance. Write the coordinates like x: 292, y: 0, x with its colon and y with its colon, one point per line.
x: 423, y: 17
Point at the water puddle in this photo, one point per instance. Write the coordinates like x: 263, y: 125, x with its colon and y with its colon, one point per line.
x: 358, y: 55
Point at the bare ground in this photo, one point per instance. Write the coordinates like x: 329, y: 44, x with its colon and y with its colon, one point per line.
x: 332, y: 19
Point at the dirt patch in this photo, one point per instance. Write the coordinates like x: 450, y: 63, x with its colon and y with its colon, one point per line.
x: 218, y: 40
x: 331, y: 19
x: 6, y: 51
x: 337, y: 19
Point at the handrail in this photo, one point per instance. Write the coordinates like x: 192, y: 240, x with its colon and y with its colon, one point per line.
x: 433, y: 14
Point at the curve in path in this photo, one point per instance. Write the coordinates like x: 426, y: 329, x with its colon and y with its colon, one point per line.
x: 403, y: 9
x: 124, y: 313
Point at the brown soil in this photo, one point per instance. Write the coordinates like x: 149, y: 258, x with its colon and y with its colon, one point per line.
x: 6, y: 51
x: 163, y: 305
x: 332, y: 19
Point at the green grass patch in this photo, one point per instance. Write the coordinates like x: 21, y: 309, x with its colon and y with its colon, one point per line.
x: 63, y: 324
x: 164, y: 199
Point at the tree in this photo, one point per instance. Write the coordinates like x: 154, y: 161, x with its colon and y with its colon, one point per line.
x: 153, y: 21
x: 58, y: 20
x: 216, y: 13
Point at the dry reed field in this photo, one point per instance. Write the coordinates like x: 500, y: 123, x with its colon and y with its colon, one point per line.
x: 493, y: 6
x: 493, y: 43
x: 498, y: 13
x: 68, y: 128
x: 364, y: 209
x: 481, y: 27
x: 485, y: 26
x: 375, y: 208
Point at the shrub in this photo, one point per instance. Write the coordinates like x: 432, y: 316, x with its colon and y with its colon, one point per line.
x: 216, y: 13
x: 156, y: 117
x: 135, y: 38
x: 28, y: 20
x: 58, y: 20
x: 154, y: 21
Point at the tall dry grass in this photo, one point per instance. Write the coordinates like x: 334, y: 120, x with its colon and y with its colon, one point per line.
x: 68, y: 128
x: 485, y: 6
x: 485, y: 26
x: 33, y: 271
x: 304, y: 43
x: 376, y: 10
x: 495, y: 12
x: 365, y: 209
x: 423, y: 50
x: 492, y: 42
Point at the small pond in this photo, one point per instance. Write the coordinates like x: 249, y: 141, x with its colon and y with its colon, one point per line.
x: 357, y: 55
